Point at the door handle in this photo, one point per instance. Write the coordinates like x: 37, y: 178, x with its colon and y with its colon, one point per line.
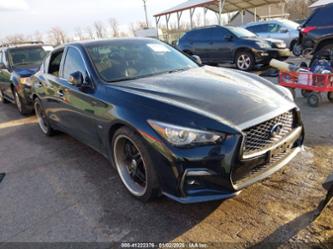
x: 61, y: 93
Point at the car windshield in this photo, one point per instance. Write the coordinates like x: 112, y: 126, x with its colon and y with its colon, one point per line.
x: 119, y: 60
x: 241, y: 32
x: 27, y: 56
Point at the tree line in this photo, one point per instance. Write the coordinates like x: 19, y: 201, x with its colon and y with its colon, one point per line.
x: 98, y: 30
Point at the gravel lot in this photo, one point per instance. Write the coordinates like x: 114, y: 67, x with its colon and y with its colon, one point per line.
x: 57, y: 189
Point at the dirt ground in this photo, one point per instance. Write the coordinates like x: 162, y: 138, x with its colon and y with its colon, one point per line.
x: 57, y: 189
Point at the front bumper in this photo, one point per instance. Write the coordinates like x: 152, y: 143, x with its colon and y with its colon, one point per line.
x: 219, y: 172
x: 280, y: 53
x: 25, y: 92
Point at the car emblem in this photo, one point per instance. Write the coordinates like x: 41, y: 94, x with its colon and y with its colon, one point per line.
x: 276, y: 130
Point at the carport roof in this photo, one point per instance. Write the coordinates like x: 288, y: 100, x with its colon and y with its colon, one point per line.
x: 213, y: 5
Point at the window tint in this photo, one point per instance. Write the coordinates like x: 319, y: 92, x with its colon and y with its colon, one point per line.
x: 273, y: 28
x: 217, y: 34
x: 54, y: 66
x: 321, y: 17
x: 262, y: 28
x: 73, y: 63
x: 200, y: 35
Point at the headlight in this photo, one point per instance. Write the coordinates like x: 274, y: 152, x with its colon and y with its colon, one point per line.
x: 182, y: 136
x: 263, y: 44
x: 26, y: 81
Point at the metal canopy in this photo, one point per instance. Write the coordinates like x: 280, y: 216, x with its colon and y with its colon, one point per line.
x: 214, y: 5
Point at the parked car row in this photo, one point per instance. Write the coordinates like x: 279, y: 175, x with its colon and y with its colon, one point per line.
x: 17, y: 63
x: 316, y: 33
x: 235, y: 45
x: 167, y: 124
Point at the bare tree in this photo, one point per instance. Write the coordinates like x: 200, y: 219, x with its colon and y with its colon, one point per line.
x: 137, y: 26
x: 198, y: 20
x: 298, y: 9
x: 14, y: 38
x: 38, y: 36
x: 114, y: 27
x: 79, y: 34
x: 100, y: 31
x: 57, y: 36
x: 89, y: 33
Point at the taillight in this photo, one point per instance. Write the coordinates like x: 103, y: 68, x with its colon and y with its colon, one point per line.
x: 308, y: 29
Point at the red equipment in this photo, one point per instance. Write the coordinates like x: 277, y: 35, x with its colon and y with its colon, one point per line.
x: 311, y: 84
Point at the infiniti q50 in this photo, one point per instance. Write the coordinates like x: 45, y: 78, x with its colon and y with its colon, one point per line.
x: 167, y: 124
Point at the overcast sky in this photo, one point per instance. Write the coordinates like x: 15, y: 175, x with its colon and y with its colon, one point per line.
x: 28, y: 16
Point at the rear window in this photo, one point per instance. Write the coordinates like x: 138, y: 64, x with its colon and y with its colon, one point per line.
x: 321, y: 17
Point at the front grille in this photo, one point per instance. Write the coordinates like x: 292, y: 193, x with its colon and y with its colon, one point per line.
x: 242, y: 177
x: 259, y: 137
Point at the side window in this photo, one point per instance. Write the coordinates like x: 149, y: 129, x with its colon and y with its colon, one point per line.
x: 73, y: 63
x: 262, y: 28
x: 217, y: 34
x: 202, y: 35
x: 55, y: 61
x: 273, y: 28
x: 1, y: 60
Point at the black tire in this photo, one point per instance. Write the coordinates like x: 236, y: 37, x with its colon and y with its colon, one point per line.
x: 20, y: 104
x: 305, y: 93
x: 296, y: 49
x: 245, y: 61
x: 43, y: 122
x: 130, y: 153
x: 314, y: 99
x: 330, y: 96
x: 2, y: 98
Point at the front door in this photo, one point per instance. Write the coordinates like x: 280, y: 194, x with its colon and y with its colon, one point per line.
x: 78, y: 110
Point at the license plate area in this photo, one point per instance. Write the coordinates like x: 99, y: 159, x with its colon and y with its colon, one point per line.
x: 282, y: 149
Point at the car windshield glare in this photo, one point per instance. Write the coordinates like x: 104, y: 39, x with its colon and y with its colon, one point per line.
x: 119, y: 60
x: 26, y: 56
x: 241, y: 32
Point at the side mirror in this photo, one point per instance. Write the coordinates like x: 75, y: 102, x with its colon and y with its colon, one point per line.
x: 284, y: 30
x: 2, y: 66
x: 228, y: 37
x: 76, y: 79
x: 197, y: 59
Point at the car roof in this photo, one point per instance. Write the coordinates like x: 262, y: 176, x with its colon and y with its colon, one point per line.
x: 264, y: 22
x: 22, y: 44
x: 104, y: 41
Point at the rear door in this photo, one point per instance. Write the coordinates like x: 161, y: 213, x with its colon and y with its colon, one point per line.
x: 221, y: 49
x: 200, y: 42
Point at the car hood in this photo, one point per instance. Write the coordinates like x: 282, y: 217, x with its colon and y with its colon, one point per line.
x: 226, y: 95
x: 26, y: 72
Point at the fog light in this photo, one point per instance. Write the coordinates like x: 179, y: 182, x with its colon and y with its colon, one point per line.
x: 191, y: 182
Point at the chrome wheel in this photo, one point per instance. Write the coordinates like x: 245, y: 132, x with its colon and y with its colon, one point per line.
x: 18, y: 101
x: 41, y: 118
x: 130, y: 165
x: 244, y: 62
